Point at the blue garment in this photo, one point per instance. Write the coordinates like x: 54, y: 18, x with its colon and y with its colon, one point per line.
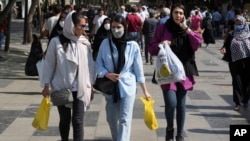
x: 134, y: 36
x: 1, y: 39
x: 175, y: 100
x: 132, y: 71
x: 119, y: 117
x: 162, y: 20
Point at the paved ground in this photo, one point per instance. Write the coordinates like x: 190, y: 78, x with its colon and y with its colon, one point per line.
x: 209, y: 106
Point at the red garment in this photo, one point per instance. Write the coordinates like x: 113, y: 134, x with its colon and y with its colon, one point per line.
x: 196, y: 23
x: 134, y: 22
x: 3, y: 26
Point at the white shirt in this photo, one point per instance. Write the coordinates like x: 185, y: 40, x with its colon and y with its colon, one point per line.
x: 98, y: 20
x: 51, y: 23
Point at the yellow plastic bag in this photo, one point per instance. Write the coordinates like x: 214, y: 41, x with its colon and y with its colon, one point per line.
x: 41, y: 118
x: 149, y: 114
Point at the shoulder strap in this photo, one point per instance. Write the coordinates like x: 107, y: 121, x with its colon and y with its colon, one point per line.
x: 112, y: 53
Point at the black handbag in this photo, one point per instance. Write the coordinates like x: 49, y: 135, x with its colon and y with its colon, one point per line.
x: 61, y: 97
x: 104, y: 84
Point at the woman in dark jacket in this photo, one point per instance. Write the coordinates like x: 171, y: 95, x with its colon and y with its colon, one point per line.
x: 226, y: 51
x: 208, y: 34
x: 36, y: 54
x: 102, y: 33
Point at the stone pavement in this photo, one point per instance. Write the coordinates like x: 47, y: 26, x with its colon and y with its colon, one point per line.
x: 209, y: 105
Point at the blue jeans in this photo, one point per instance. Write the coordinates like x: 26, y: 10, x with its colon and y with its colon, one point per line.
x: 1, y: 39
x: 175, y: 100
x: 119, y: 117
x: 134, y: 36
x: 77, y: 120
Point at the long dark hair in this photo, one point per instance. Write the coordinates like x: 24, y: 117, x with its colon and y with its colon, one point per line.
x: 179, y: 6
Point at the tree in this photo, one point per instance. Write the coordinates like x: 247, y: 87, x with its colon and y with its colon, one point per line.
x: 30, y: 19
x: 6, y: 10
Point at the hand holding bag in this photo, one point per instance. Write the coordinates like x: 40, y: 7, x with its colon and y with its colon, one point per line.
x: 41, y: 119
x: 104, y: 84
x: 149, y: 114
x: 168, y: 67
x: 61, y: 97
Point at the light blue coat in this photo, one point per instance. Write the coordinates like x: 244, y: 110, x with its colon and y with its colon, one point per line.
x: 132, y: 71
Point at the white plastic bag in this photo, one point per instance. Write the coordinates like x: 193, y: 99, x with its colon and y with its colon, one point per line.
x: 39, y: 66
x: 168, y: 67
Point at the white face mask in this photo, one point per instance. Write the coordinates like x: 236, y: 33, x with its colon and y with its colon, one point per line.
x: 61, y: 23
x: 107, y: 26
x: 118, y: 33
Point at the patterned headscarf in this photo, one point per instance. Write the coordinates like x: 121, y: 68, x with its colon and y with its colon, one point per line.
x: 240, y: 45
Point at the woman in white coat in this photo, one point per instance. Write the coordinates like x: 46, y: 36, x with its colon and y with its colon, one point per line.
x: 70, y: 66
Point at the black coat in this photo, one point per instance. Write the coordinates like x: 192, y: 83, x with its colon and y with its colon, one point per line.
x: 36, y: 54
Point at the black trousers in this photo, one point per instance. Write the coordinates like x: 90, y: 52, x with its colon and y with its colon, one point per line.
x: 241, y: 78
x: 77, y: 120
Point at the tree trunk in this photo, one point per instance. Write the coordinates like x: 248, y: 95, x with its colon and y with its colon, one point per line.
x: 6, y: 10
x: 30, y: 19
x: 7, y: 38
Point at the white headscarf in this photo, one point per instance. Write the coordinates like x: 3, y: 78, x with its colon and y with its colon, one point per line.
x: 69, y: 31
x: 86, y: 69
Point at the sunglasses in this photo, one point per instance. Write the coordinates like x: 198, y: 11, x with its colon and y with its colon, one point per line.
x: 82, y: 26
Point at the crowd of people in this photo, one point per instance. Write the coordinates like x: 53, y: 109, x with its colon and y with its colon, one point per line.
x: 74, y: 58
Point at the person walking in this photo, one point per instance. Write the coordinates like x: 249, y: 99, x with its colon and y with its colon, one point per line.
x: 183, y: 42
x: 240, y: 53
x: 148, y: 30
x: 226, y: 51
x: 70, y: 65
x: 208, y: 27
x: 102, y: 33
x: 125, y: 71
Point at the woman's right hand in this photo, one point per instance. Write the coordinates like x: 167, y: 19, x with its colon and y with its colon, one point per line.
x: 45, y: 91
x: 113, y: 76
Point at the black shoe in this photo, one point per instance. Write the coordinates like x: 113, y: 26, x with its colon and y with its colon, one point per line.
x: 151, y: 62
x: 179, y: 138
x: 169, y: 135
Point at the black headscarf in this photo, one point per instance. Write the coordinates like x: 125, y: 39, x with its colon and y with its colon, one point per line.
x: 58, y: 30
x: 101, y: 34
x: 120, y: 43
x: 180, y: 44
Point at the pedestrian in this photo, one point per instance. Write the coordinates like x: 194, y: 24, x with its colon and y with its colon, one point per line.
x: 97, y: 21
x: 125, y: 72
x: 183, y: 42
x: 164, y: 16
x: 235, y: 74
x: 3, y: 28
x: 195, y: 22
x: 58, y: 28
x: 208, y: 27
x: 134, y: 24
x: 70, y: 66
x: 240, y: 53
x: 148, y: 31
x: 102, y: 33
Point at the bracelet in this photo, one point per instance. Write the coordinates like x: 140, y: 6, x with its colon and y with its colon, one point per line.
x: 186, y: 29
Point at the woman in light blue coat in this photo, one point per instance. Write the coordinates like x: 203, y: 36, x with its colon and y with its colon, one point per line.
x: 128, y: 70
